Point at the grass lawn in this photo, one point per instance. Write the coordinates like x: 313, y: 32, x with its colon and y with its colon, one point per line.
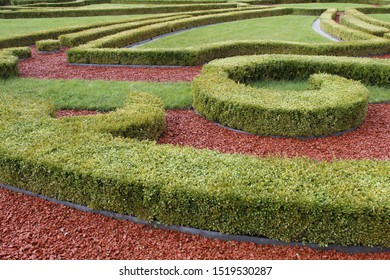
x: 286, y: 28
x: 109, y: 95
x: 384, y: 17
x: 339, y: 6
x: 22, y: 26
x: 377, y: 94
x: 97, y: 95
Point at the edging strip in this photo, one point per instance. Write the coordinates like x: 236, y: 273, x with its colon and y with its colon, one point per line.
x: 204, y: 233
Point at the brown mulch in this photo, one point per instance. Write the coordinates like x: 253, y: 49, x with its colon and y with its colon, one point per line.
x: 32, y: 228
x: 370, y: 141
x: 55, y: 66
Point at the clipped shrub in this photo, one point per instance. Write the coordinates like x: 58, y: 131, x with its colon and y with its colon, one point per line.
x: 31, y: 38
x: 69, y: 12
x: 356, y: 23
x: 366, y: 18
x: 82, y: 37
x: 9, y: 61
x: 109, y: 49
x: 338, y: 202
x: 333, y: 105
x: 48, y: 45
x: 342, y: 32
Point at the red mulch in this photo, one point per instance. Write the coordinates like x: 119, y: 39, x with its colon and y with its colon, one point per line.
x: 371, y: 140
x: 32, y: 228
x: 55, y: 66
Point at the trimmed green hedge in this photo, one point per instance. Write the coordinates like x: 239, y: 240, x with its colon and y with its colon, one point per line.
x: 340, y: 31
x: 334, y: 104
x: 9, y: 61
x: 203, y: 54
x: 129, y: 37
x: 107, y: 49
x: 30, y: 39
x: 48, y: 45
x: 367, y: 18
x: 340, y: 202
x: 82, y: 37
x: 48, y: 13
x: 358, y: 24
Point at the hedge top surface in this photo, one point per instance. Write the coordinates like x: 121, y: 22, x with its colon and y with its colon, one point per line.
x: 286, y: 199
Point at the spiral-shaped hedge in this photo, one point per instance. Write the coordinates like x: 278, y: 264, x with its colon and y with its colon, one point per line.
x: 333, y: 104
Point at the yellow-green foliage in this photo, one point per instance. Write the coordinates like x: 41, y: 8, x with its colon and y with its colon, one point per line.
x: 341, y: 202
x: 356, y: 23
x: 9, y: 61
x: 334, y: 104
x: 48, y: 45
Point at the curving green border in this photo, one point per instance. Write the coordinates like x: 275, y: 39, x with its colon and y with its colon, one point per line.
x: 340, y: 202
x: 109, y: 50
x: 333, y: 105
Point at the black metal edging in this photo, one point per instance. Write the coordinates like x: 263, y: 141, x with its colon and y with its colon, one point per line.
x: 201, y: 232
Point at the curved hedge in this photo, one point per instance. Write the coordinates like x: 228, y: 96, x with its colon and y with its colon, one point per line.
x: 340, y: 202
x: 333, y: 105
x: 358, y: 24
x: 110, y: 49
x: 9, y: 61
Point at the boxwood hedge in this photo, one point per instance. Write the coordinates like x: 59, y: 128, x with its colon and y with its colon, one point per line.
x: 333, y: 105
x: 9, y: 61
x: 48, y: 45
x: 343, y: 202
x: 109, y: 50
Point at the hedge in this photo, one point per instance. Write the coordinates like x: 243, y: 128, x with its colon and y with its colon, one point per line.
x: 48, y: 45
x: 333, y: 104
x: 31, y: 38
x: 340, y: 202
x: 367, y: 18
x: 203, y: 54
x: 355, y: 23
x: 129, y: 37
x: 107, y: 49
x: 342, y: 32
x: 48, y: 13
x: 82, y: 37
x: 9, y: 61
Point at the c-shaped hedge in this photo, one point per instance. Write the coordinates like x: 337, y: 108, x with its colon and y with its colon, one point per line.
x: 79, y: 159
x: 220, y: 93
x: 9, y: 61
x: 334, y: 104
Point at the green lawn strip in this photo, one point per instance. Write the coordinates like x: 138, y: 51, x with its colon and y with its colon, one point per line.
x: 108, y: 95
x: 384, y: 17
x: 12, y: 27
x: 377, y: 94
x: 286, y: 28
x: 339, y: 6
x: 97, y: 95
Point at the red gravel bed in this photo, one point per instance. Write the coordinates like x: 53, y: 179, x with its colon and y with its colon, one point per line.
x: 55, y: 66
x: 32, y: 228
x: 370, y: 141
x: 338, y: 15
